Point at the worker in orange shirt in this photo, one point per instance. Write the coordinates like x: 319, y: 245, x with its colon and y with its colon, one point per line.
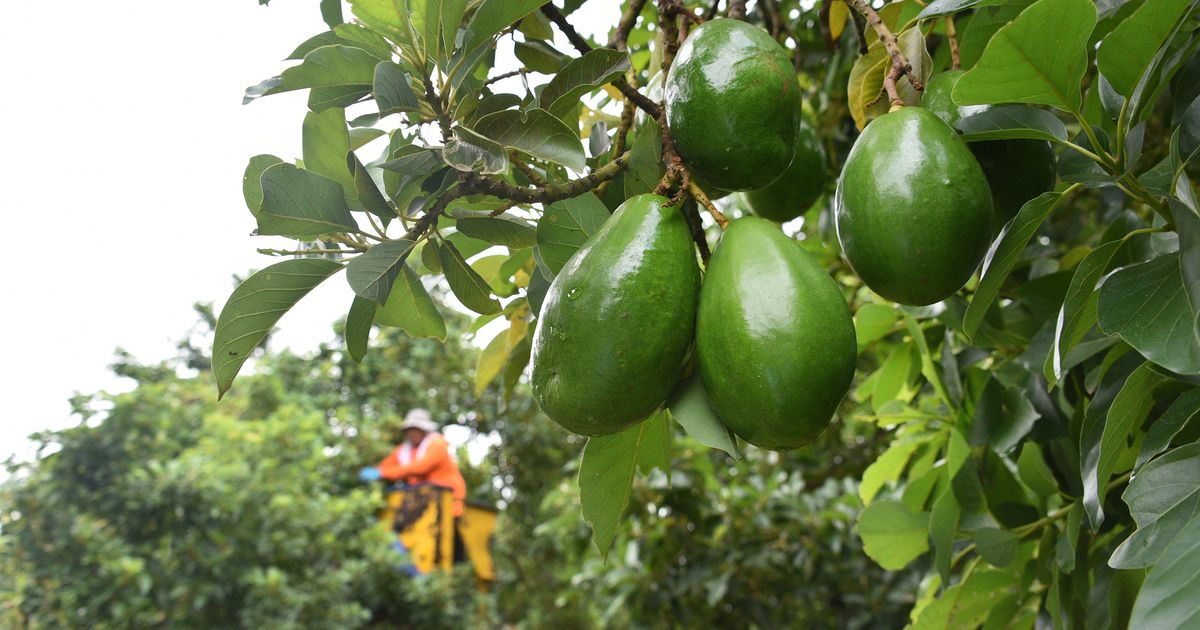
x: 424, y: 457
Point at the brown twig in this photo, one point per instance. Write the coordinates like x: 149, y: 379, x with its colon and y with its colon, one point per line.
x: 900, y: 64
x: 858, y: 32
x: 582, y: 45
x: 952, y: 37
x: 698, y: 194
x: 530, y: 174
x: 620, y: 139
x: 711, y: 12
x: 737, y: 9
x: 697, y: 226
x: 823, y: 23
x: 506, y: 75
x: 475, y: 183
x: 629, y: 18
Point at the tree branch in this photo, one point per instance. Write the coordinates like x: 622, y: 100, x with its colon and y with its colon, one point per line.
x: 737, y: 9
x: 475, y: 183
x: 698, y: 194
x: 629, y: 18
x: 952, y: 37
x: 900, y: 64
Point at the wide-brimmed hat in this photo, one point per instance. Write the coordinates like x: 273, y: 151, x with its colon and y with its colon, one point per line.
x: 419, y: 419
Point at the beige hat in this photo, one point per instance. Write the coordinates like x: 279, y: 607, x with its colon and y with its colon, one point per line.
x: 419, y: 419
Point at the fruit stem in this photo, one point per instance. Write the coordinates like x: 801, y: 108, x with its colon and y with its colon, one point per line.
x: 699, y: 196
x: 952, y: 38
x: 900, y: 64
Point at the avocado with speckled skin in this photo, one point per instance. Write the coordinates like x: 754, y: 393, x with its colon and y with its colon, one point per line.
x: 618, y: 320
x: 1017, y: 170
x: 912, y: 209
x: 733, y: 105
x: 775, y: 343
x: 800, y: 185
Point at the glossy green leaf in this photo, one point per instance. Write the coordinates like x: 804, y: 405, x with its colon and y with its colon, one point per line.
x: 358, y: 327
x: 410, y: 308
x: 1127, y: 52
x: 370, y: 196
x: 470, y: 289
x: 996, y: 546
x: 540, y: 56
x: 1004, y: 254
x: 886, y: 468
x: 689, y: 407
x: 415, y: 162
x: 331, y: 12
x: 255, y: 306
x: 471, y: 152
x: 944, y: 519
x: 391, y: 18
x: 1012, y: 121
x: 1034, y: 472
x: 893, y: 534
x: 1116, y: 369
x: 966, y: 604
x: 1039, y: 57
x: 326, y: 141
x: 873, y: 321
x: 1126, y: 414
x: 655, y: 451
x: 947, y: 7
x: 372, y: 273
x: 1078, y: 311
x: 1175, y: 419
x: 1164, y: 500
x: 645, y: 160
x: 323, y: 98
x: 606, y: 478
x: 1168, y: 598
x: 582, y: 75
x: 392, y: 91
x: 326, y: 67
x: 491, y: 362
x: 1003, y: 416
x: 251, y: 180
x: 492, y: 16
x: 565, y: 226
x: 1147, y: 305
x: 302, y: 205
x: 501, y: 230
x: 536, y: 132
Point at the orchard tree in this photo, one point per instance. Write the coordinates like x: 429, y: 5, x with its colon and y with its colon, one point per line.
x: 990, y: 254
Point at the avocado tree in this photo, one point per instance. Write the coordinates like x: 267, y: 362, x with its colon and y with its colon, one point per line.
x: 1003, y: 283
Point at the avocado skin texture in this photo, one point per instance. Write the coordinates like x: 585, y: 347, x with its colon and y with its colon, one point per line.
x: 795, y: 191
x: 775, y: 343
x: 618, y: 321
x: 733, y: 105
x: 1017, y: 170
x: 912, y: 209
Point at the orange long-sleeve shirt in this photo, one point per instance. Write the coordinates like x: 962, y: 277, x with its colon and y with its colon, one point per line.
x: 434, y: 465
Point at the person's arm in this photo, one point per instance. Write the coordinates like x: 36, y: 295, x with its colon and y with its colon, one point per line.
x: 435, y: 454
x: 390, y: 468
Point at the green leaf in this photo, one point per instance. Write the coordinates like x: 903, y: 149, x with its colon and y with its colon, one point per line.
x: 491, y: 362
x: 391, y: 18
x: 582, y: 75
x: 302, y: 205
x: 501, y: 230
x: 1004, y: 254
x: 645, y: 160
x: 1168, y: 597
x: 492, y: 16
x: 893, y: 534
x: 1164, y: 501
x: 873, y: 321
x: 410, y: 308
x: 966, y: 604
x: 255, y: 306
x: 536, y: 132
x: 1034, y: 472
x: 392, y: 90
x: 358, y: 327
x: 943, y: 528
x: 331, y: 12
x: 1116, y: 370
x: 470, y: 289
x: 1147, y: 305
x: 656, y: 444
x: 369, y: 195
x: 565, y: 226
x: 886, y: 468
x: 540, y: 56
x: 1129, y: 50
x: 946, y: 7
x: 865, y: 86
x: 325, y: 67
x: 471, y: 152
x: 326, y: 141
x: 689, y: 406
x: 1039, y: 57
x: 1002, y: 417
x: 321, y: 99
x: 372, y: 273
x: 1078, y: 311
x: 1125, y: 415
x: 361, y: 136
x: 894, y: 376
x: 1012, y: 121
x: 606, y: 478
x: 997, y: 546
x: 1175, y: 419
x: 415, y: 162
x: 251, y: 180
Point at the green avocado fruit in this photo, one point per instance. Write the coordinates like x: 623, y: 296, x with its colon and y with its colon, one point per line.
x: 912, y: 209
x: 1017, y: 170
x: 800, y: 185
x: 618, y: 320
x: 775, y: 343
x: 733, y: 105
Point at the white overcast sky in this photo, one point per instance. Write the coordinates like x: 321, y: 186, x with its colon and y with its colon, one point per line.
x: 123, y: 134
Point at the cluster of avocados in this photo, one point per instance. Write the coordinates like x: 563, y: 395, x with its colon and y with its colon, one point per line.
x: 765, y: 326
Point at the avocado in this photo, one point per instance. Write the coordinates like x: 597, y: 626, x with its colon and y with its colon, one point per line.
x: 800, y: 185
x: 775, y: 343
x: 618, y: 320
x: 912, y: 209
x: 733, y: 105
x: 1017, y: 170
